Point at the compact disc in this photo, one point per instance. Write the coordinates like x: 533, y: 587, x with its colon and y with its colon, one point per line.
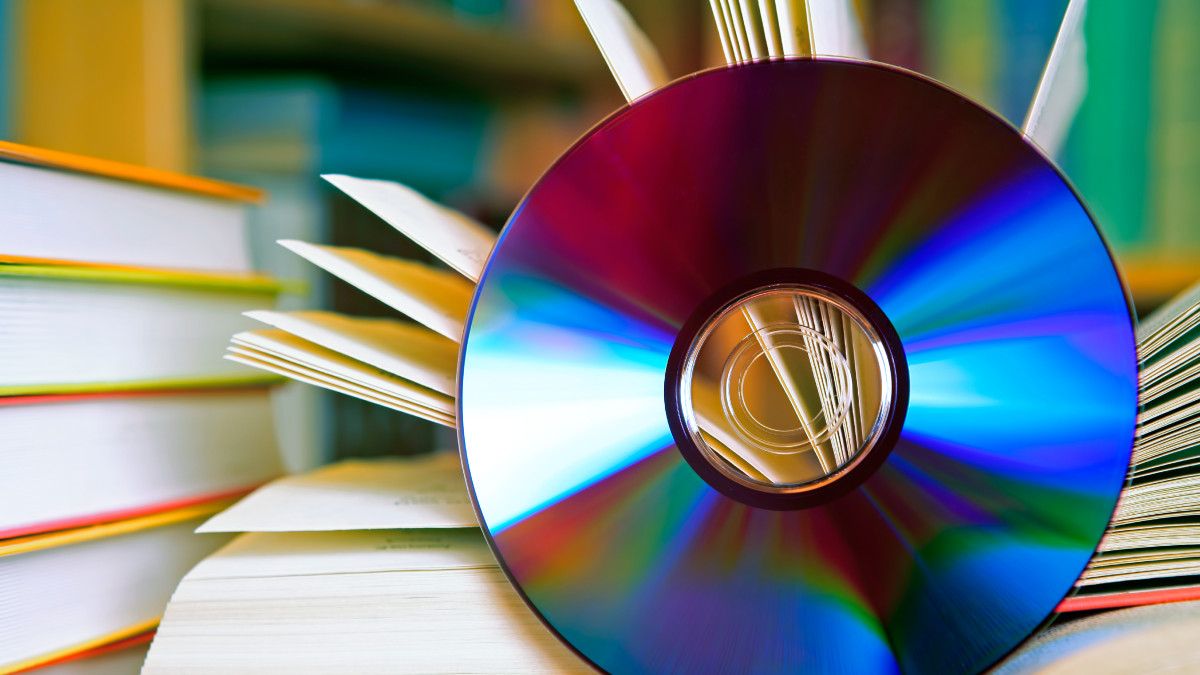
x: 800, y: 366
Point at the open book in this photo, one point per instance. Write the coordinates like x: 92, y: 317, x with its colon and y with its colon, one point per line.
x: 1151, y: 553
x: 1152, y: 550
x: 359, y: 567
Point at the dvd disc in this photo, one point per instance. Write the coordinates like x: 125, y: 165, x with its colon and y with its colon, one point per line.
x: 800, y: 366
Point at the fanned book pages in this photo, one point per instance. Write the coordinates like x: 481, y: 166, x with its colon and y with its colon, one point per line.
x: 359, y: 567
x: 1063, y: 86
x: 1152, y: 550
x: 751, y: 30
x: 1151, y: 553
x: 631, y: 57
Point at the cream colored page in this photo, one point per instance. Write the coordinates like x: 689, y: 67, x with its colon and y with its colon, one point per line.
x: 431, y: 622
x: 723, y: 30
x: 301, y: 375
x: 295, y: 350
x: 754, y: 36
x: 766, y: 14
x: 279, y: 554
x: 460, y: 241
x: 1063, y: 86
x: 421, y: 492
x: 407, y: 350
x: 631, y: 57
x: 436, y: 299
x: 835, y: 29
x: 250, y: 356
x: 338, y: 383
x: 794, y: 30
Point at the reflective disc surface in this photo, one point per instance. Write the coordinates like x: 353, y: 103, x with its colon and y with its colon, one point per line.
x: 1015, y: 331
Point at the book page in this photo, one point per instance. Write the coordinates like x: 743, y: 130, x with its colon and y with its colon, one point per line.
x: 835, y: 29
x: 438, y: 300
x: 1063, y: 86
x: 428, y: 491
x: 248, y: 356
x: 276, y: 554
x: 1172, y: 312
x: 793, y: 27
x: 295, y: 351
x: 460, y: 241
x: 408, y: 350
x: 630, y: 55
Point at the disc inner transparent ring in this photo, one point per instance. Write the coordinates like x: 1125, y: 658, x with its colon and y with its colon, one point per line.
x: 786, y: 388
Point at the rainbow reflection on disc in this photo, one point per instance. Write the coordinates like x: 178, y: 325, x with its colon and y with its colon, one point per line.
x: 1013, y: 372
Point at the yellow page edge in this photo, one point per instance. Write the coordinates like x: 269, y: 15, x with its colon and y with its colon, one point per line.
x: 115, y: 636
x: 257, y: 379
x: 242, y: 283
x: 38, y: 542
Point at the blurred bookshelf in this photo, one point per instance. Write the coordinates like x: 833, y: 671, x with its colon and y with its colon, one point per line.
x: 470, y: 100
x: 394, y: 39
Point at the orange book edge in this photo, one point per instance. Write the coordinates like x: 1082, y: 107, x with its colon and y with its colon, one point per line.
x: 1083, y: 603
x: 117, y: 644
x: 218, y: 390
x: 74, y: 523
x: 38, y: 542
x: 105, y: 168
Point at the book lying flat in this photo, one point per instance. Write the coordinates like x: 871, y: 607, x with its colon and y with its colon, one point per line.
x: 59, y: 206
x: 1154, y: 639
x: 365, y: 597
x: 73, y: 590
x: 71, y: 328
x: 125, y: 454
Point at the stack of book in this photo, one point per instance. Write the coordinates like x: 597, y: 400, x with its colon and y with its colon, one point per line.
x: 123, y: 426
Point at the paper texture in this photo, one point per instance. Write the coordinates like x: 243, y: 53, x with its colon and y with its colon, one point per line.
x: 407, y: 350
x: 290, y: 351
x: 275, y: 554
x: 460, y: 241
x: 1063, y: 86
x: 422, y: 492
x: 835, y: 29
x: 631, y: 57
x: 251, y: 357
x: 436, y: 299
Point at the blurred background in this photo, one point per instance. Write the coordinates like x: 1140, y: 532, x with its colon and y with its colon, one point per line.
x: 470, y: 100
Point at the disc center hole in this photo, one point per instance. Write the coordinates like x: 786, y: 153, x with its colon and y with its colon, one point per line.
x: 785, y: 387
